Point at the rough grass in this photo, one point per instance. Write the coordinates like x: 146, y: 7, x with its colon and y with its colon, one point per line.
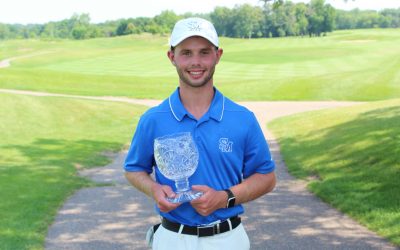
x: 354, y: 153
x: 43, y: 142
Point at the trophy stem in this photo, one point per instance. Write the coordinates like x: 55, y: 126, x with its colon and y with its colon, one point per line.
x: 182, y: 185
x: 183, y: 192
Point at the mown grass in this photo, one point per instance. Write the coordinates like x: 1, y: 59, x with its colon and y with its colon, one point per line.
x: 354, y: 155
x: 345, y: 65
x: 43, y: 141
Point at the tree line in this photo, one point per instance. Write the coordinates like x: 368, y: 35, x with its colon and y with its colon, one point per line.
x: 278, y: 19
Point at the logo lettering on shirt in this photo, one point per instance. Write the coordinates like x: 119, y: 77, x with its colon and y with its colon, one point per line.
x: 225, y: 145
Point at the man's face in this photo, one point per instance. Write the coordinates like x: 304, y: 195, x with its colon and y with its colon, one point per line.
x: 195, y: 59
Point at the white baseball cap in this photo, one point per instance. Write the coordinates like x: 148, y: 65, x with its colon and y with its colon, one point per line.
x: 193, y: 26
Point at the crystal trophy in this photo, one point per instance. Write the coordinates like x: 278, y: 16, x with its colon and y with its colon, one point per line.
x: 177, y: 157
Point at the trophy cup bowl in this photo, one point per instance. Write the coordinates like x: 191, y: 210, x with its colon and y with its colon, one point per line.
x: 177, y: 157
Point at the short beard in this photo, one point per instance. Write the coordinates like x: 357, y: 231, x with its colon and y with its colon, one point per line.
x: 199, y: 85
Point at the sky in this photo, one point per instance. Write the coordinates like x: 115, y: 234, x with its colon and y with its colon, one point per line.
x: 43, y: 11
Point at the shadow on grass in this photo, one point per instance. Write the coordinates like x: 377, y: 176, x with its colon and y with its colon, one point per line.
x: 33, y: 189
x: 112, y: 217
x: 60, y: 152
x: 358, y: 166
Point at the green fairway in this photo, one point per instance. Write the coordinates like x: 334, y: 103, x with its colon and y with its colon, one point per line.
x: 353, y: 158
x: 43, y: 141
x: 345, y: 65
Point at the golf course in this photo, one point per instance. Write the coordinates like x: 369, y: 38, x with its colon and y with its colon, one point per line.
x: 350, y: 156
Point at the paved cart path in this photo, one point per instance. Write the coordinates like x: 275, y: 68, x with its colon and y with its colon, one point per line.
x: 117, y: 216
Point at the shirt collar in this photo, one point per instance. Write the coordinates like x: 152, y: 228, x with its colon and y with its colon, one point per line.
x: 216, y: 110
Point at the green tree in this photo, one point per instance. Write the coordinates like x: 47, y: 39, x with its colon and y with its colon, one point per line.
x: 290, y: 19
x: 121, y: 29
x: 302, y: 21
x: 275, y: 18
x: 166, y: 21
x: 131, y: 29
x: 222, y: 17
x: 93, y: 31
x: 63, y: 29
x: 275, y: 3
x: 126, y: 27
x: 80, y: 26
x: 316, y: 17
x: 329, y: 19
x: 247, y: 20
x: 344, y: 20
x: 141, y: 23
x: 48, y: 30
x: 4, y: 31
x: 79, y: 32
x: 390, y: 18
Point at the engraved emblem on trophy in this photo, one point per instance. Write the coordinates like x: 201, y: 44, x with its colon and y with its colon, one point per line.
x: 177, y: 157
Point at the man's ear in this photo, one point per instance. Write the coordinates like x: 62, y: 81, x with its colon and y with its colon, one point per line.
x: 220, y: 51
x: 171, y: 57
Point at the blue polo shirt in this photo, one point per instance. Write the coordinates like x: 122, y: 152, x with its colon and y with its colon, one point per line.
x: 230, y: 142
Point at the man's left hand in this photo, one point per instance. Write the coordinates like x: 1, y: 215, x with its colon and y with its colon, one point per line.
x: 210, y: 201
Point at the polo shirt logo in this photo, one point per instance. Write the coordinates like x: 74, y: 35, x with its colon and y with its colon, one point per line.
x: 225, y: 145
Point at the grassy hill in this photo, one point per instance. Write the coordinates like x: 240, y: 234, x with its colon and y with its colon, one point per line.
x: 353, y: 158
x: 345, y: 65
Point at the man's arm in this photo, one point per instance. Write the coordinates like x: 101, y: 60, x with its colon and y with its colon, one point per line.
x: 250, y: 189
x: 144, y: 183
x: 254, y: 187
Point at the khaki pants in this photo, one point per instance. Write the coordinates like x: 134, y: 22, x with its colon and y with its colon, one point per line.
x: 235, y: 239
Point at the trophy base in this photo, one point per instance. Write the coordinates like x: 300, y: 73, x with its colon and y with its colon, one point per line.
x: 185, y: 196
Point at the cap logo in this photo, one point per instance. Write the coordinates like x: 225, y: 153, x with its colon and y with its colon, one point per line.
x: 194, y: 26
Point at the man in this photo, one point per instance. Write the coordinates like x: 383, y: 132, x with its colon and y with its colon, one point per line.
x: 234, y: 167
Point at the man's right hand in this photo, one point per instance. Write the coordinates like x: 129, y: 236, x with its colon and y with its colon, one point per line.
x: 143, y: 182
x: 160, y: 195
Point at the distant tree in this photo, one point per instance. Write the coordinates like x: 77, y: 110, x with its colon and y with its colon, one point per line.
x: 302, y: 21
x: 4, y: 31
x: 290, y: 19
x: 275, y: 18
x: 276, y: 22
x: 80, y: 19
x: 121, y: 29
x: 131, y: 29
x: 153, y: 28
x: 222, y: 17
x: 79, y: 32
x: 48, y: 30
x: 165, y: 21
x: 247, y: 20
x: 344, y: 20
x: 390, y: 18
x: 63, y: 29
x: 93, y: 31
x: 126, y: 27
x: 368, y: 19
x: 275, y: 3
x: 316, y: 17
x: 108, y: 29
x: 329, y: 18
x: 141, y: 23
x: 80, y: 24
